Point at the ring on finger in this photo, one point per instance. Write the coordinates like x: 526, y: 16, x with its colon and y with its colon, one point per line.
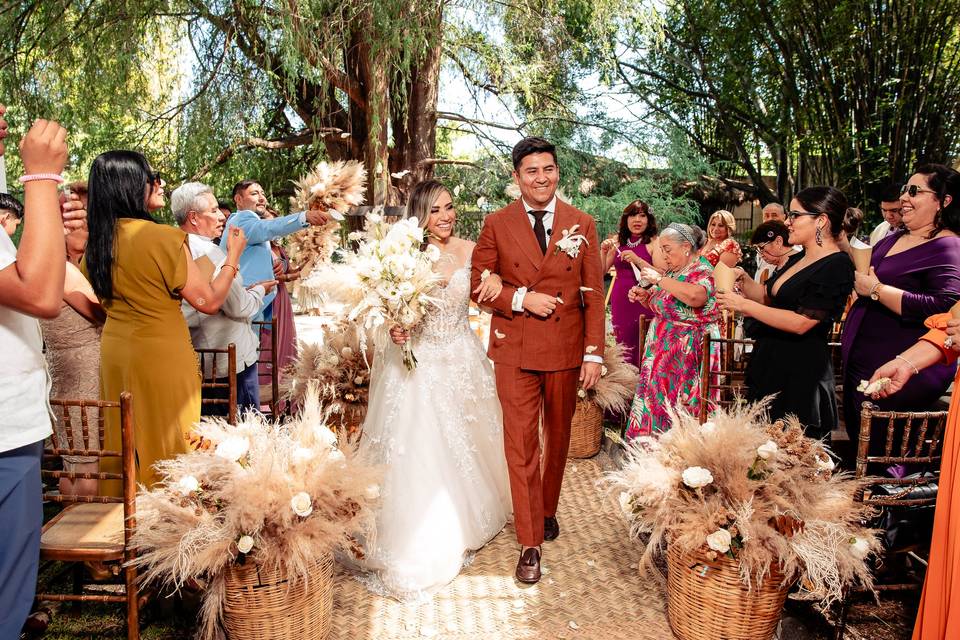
x: 948, y: 343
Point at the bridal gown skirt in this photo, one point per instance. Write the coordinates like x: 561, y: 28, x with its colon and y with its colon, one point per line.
x: 438, y: 432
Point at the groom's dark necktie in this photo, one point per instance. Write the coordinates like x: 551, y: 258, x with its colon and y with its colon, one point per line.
x: 538, y: 229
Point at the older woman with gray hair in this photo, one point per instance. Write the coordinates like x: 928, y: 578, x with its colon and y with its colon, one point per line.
x: 684, y: 314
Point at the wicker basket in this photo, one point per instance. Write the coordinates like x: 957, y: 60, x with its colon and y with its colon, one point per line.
x: 265, y: 604
x: 707, y: 600
x: 586, y: 430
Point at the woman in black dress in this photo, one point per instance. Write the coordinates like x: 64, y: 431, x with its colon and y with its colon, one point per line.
x: 795, y: 310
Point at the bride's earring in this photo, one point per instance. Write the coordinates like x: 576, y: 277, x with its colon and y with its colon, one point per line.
x: 819, y: 236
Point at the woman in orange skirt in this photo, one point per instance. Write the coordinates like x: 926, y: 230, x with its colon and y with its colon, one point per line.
x: 940, y: 602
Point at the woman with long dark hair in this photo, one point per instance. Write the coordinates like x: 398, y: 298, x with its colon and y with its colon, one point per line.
x: 635, y: 246
x: 139, y: 270
x: 795, y: 310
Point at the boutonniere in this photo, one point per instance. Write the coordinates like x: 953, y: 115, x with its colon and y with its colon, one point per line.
x: 571, y: 241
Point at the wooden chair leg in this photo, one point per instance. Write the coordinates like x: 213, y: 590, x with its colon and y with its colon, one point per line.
x: 841, y: 627
x: 78, y: 574
x: 133, y: 603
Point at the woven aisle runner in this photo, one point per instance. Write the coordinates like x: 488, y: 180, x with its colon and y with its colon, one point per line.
x: 590, y: 589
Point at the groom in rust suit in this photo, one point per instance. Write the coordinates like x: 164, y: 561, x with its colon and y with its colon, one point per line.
x: 546, y: 336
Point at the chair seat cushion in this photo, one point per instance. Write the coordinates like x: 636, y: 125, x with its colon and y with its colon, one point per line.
x: 92, y: 530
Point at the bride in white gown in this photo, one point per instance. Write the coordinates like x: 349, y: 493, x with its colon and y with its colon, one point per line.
x: 437, y: 430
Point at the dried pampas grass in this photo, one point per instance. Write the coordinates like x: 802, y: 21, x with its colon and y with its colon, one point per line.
x: 242, y: 492
x: 333, y: 186
x: 339, y: 370
x: 771, y: 490
x: 617, y: 385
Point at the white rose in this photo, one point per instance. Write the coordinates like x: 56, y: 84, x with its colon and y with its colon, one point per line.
x: 346, y: 352
x: 358, y: 380
x: 302, y: 504
x: 244, y: 544
x: 187, y: 485
x: 696, y: 477
x: 406, y: 289
x: 768, y: 449
x: 432, y: 253
x: 581, y: 393
x: 719, y: 540
x: 232, y: 448
x: 825, y: 463
x: 860, y: 548
x: 708, y: 427
x: 372, y: 492
x: 375, y: 218
x: 625, y: 506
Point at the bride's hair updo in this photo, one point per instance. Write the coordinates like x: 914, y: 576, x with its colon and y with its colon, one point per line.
x: 421, y: 200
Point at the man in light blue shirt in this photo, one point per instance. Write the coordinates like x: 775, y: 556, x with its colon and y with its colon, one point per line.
x: 256, y: 261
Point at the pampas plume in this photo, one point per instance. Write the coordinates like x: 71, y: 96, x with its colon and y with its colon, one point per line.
x: 786, y: 507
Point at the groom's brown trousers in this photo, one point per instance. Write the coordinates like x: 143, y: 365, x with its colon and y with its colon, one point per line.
x: 535, y: 490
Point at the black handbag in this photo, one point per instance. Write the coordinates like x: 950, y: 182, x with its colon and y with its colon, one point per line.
x: 911, y: 525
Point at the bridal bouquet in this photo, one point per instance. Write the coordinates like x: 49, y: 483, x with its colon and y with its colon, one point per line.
x: 761, y: 494
x: 281, y: 495
x: 334, y: 187
x: 389, y: 281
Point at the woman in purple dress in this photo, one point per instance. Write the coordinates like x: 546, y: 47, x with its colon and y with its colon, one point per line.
x: 635, y: 244
x: 914, y: 273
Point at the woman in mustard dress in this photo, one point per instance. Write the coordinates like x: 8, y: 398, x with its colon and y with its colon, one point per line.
x: 139, y: 270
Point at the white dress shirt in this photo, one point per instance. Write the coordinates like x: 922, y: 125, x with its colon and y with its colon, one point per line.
x: 232, y: 323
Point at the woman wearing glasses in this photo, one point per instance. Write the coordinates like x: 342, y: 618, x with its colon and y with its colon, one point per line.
x: 139, y: 270
x: 795, y: 310
x: 914, y: 273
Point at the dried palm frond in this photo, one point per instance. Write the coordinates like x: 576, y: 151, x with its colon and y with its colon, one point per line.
x: 333, y: 186
x: 618, y: 380
x: 339, y: 370
x: 771, y: 488
x: 239, y: 490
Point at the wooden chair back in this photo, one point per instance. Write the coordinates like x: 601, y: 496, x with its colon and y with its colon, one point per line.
x: 95, y: 528
x: 722, y: 388
x: 216, y: 396
x: 268, y: 361
x: 913, y: 438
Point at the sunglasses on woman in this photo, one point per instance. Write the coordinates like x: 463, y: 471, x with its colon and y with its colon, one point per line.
x: 912, y: 190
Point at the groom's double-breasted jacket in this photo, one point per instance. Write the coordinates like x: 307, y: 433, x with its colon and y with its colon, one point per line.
x: 508, y: 247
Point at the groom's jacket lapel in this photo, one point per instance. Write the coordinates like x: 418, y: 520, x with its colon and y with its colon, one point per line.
x: 519, y: 227
x: 564, y: 217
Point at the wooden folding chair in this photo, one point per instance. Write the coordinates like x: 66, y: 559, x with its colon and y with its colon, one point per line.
x: 641, y: 346
x: 913, y: 439
x: 268, y: 361
x: 218, y: 386
x: 91, y: 528
x: 721, y: 388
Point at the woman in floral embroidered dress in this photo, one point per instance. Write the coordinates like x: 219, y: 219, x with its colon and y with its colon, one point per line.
x: 682, y: 301
x: 721, y: 245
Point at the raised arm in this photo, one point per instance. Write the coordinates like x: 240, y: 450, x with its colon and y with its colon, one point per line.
x: 258, y: 230
x: 204, y: 295
x: 33, y: 282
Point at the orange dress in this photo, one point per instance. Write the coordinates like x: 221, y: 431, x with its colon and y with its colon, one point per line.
x: 940, y: 602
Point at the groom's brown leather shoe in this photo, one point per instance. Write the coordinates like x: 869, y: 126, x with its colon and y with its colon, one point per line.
x: 551, y: 528
x: 528, y: 567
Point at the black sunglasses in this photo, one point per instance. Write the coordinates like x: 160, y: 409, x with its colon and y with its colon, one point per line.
x: 912, y: 190
x: 793, y: 215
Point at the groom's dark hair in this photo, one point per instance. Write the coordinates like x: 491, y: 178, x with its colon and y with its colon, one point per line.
x: 532, y: 145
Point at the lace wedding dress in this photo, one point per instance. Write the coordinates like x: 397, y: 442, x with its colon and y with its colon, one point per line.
x: 438, y: 432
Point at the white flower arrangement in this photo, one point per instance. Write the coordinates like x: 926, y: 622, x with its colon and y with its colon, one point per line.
x: 767, y: 450
x: 187, y: 485
x: 245, y: 544
x: 571, y: 241
x: 232, y: 448
x: 302, y: 504
x: 720, y: 540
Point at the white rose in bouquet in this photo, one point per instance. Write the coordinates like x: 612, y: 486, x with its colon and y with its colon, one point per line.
x: 720, y: 540
x: 232, y: 448
x: 432, y: 252
x: 625, y: 500
x: 696, y: 477
x: 245, y: 544
x: 826, y: 463
x: 767, y: 450
x: 302, y: 504
x: 188, y: 485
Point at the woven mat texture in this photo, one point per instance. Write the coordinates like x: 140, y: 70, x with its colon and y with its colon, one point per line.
x: 590, y: 588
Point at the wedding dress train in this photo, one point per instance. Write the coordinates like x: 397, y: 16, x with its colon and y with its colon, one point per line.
x: 438, y: 432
